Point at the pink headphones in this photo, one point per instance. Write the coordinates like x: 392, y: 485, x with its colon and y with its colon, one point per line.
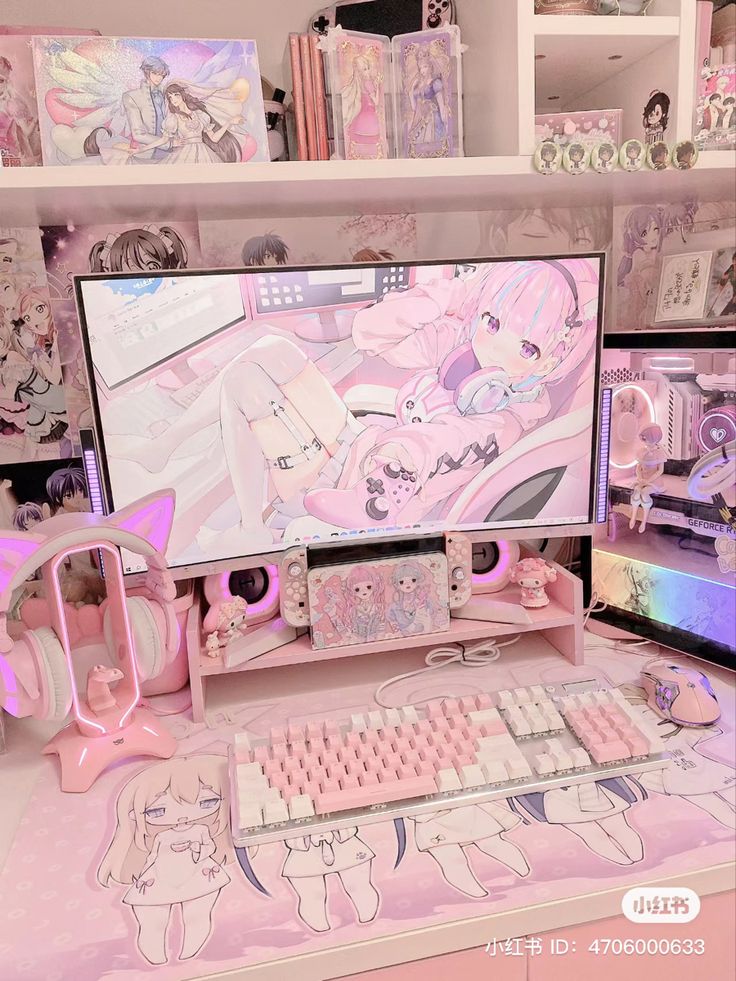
x: 35, y: 676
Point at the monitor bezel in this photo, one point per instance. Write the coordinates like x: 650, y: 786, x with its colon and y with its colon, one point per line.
x: 476, y: 534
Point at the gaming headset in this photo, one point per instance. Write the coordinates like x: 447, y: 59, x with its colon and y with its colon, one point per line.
x: 35, y: 679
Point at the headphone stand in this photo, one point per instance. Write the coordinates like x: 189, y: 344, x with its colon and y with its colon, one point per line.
x: 83, y: 758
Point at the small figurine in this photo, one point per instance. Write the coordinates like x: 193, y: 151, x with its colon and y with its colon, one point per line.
x: 212, y: 645
x: 231, y: 620
x: 651, y: 459
x: 99, y: 679
x: 532, y: 575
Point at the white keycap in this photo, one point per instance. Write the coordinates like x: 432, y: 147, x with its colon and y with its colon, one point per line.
x: 544, y: 764
x: 392, y: 717
x: 247, y: 771
x: 518, y: 768
x: 485, y: 715
x: 538, y: 724
x: 301, y: 806
x: 579, y: 757
x: 520, y: 727
x: 563, y: 760
x: 408, y: 714
x: 375, y: 720
x: 602, y: 697
x: 521, y: 696
x: 618, y: 697
x: 544, y: 705
x: 472, y: 776
x: 504, y: 699
x: 358, y: 722
x: 552, y: 745
x: 448, y: 780
x: 496, y: 772
x: 555, y: 721
x: 538, y: 693
x: 242, y: 741
x: 275, y: 811
x: 496, y: 744
x: 250, y: 816
x: 585, y: 700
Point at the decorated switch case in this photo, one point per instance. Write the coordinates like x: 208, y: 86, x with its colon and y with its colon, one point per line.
x: 370, y: 601
x: 427, y: 84
x: 131, y: 100
x: 358, y: 71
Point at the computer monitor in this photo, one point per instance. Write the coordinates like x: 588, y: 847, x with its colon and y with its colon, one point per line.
x: 313, y: 404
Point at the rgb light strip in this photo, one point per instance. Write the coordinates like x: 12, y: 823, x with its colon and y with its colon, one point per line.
x: 601, y: 511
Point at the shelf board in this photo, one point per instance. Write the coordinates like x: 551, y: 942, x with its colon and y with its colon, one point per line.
x: 605, y: 27
x: 300, y: 650
x: 96, y: 194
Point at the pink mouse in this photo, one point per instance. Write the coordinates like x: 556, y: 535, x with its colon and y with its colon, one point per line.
x: 533, y: 575
x: 99, y: 696
x: 681, y: 695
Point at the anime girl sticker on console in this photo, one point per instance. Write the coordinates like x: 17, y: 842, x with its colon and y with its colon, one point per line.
x: 365, y: 602
x: 130, y: 100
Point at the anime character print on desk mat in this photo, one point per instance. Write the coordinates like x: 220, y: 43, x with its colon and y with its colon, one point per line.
x: 139, y: 875
x: 149, y: 102
x: 427, y: 402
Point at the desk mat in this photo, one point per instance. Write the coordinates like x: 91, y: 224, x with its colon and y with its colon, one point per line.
x: 157, y: 915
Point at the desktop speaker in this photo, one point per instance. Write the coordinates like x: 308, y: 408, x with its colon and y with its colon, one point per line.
x: 492, y: 563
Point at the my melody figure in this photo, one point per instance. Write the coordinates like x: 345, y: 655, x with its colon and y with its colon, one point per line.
x: 169, y: 847
x: 533, y: 574
x: 511, y: 342
x: 228, y: 620
x: 650, y: 461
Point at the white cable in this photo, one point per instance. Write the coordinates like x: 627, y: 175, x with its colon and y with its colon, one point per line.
x: 477, y: 656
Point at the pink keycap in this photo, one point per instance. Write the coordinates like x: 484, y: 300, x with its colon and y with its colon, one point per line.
x: 387, y: 775
x: 328, y: 757
x: 279, y: 780
x: 289, y: 791
x: 468, y: 704
x: 329, y: 786
x: 466, y: 759
x: 426, y: 769
x: 369, y: 780
x: 346, y: 753
x: 483, y: 702
x: 381, y: 794
x: 608, y: 752
x: 299, y: 750
x: 405, y: 730
x: 316, y: 774
x: 628, y: 732
x: 272, y: 767
x: 637, y: 746
x: 310, y: 762
x: 371, y: 737
x: 366, y: 752
x: 374, y: 764
x: 591, y: 738
x: 353, y: 739
x: 355, y: 767
x: 591, y: 714
x: 280, y: 752
x: 336, y: 771
x: 312, y: 789
x: 428, y: 755
x: 473, y: 732
x: 332, y: 729
x: 298, y: 779
x: 334, y: 742
x: 457, y: 720
x: 608, y: 734
x: 401, y: 745
x: 440, y: 725
x: 295, y: 733
x: 495, y: 728
x: 392, y: 761
x: 442, y: 738
x: 410, y: 757
x: 405, y: 772
x: 451, y: 706
x: 261, y: 754
x: 446, y: 753
x: 434, y: 709
x: 423, y: 728
x: 349, y: 783
x: 277, y: 734
x: 419, y: 741
x: 315, y: 730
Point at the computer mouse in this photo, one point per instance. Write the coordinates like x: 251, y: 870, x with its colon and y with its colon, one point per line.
x: 681, y: 695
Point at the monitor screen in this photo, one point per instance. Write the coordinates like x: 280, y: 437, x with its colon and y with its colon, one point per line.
x: 309, y: 404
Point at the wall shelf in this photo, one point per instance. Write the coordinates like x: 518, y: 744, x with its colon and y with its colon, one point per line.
x: 59, y: 195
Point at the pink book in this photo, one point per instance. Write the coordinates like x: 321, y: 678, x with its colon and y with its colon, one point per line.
x: 309, y: 100
x: 703, y: 27
x: 320, y: 99
x: 297, y: 92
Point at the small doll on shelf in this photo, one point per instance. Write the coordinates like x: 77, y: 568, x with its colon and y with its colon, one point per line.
x: 533, y: 574
x: 226, y: 622
x: 650, y: 463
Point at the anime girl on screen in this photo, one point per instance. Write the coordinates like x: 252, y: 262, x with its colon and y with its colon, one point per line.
x: 496, y: 365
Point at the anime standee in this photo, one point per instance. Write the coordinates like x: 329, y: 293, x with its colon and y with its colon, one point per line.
x: 488, y: 360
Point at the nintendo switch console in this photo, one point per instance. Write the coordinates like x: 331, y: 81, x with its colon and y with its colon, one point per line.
x: 359, y: 593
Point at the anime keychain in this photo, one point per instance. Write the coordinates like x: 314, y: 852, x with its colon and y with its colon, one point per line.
x: 427, y: 83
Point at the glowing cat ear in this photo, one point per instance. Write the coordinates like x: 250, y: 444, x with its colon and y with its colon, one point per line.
x: 151, y: 517
x: 15, y: 548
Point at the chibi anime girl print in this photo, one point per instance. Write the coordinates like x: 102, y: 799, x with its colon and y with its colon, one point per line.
x: 362, y: 88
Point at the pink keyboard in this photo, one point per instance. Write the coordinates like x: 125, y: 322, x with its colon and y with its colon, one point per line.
x: 317, y: 773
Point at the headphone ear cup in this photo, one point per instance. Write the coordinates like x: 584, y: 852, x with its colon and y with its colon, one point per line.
x: 148, y: 628
x: 54, y: 681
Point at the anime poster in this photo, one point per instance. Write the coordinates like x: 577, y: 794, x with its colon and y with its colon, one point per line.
x: 33, y: 416
x: 149, y: 102
x: 73, y: 250
x: 20, y: 140
x: 294, y: 241
x: 283, y: 406
x: 31, y: 493
x: 639, y: 237
x: 716, y: 109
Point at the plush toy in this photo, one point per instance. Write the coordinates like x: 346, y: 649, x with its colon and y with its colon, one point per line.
x: 532, y: 575
x: 212, y: 645
x: 650, y: 461
x: 226, y: 620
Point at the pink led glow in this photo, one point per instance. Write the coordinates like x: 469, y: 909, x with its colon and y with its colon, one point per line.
x: 672, y: 364
x: 652, y: 419
x: 500, y: 569
x: 9, y: 686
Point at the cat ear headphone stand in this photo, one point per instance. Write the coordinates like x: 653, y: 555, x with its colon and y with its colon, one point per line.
x: 141, y: 633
